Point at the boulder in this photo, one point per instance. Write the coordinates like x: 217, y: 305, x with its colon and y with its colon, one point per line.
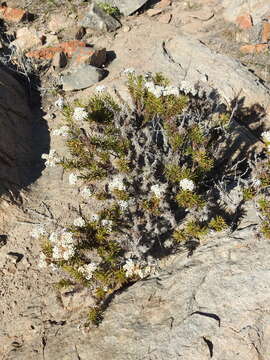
x: 81, y: 77
x: 97, y: 19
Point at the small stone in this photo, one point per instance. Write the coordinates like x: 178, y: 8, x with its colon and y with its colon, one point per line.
x: 153, y: 12
x: 163, y: 4
x: 15, y: 257
x: 14, y: 15
x: 89, y: 56
x: 126, y: 28
x: 59, y: 22
x: 251, y: 49
x: 50, y: 40
x: 26, y: 39
x: 244, y: 21
x: 97, y: 19
x: 59, y: 60
x: 266, y: 32
x: 82, y: 77
x: 68, y: 47
x: 165, y: 18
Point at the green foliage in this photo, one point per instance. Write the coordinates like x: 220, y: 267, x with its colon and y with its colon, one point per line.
x: 218, y: 224
x: 265, y: 228
x: 110, y: 10
x: 188, y: 199
x: 63, y: 284
x: 95, y: 315
x: 152, y: 205
x: 174, y: 173
x: 249, y: 193
x: 192, y: 230
x: 160, y: 79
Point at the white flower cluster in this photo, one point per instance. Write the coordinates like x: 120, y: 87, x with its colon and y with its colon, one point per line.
x: 158, y: 190
x: 60, y: 103
x: 186, y: 184
x: 266, y: 136
x: 158, y: 90
x: 188, y: 88
x: 168, y: 243
x: 100, y: 88
x: 94, y: 217
x: 79, y: 222
x: 87, y: 270
x: 86, y: 193
x: 124, y: 205
x: 80, y: 114
x: 72, y: 179
x: 51, y: 158
x: 129, y: 71
x: 117, y: 183
x: 62, y: 131
x: 107, y: 223
x: 63, y: 245
x: 132, y: 267
x: 37, y: 232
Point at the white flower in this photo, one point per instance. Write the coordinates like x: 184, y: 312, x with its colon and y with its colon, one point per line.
x: 42, y: 261
x: 51, y: 158
x: 129, y: 71
x: 168, y: 243
x: 256, y: 182
x: 100, y: 88
x: 266, y: 136
x: 80, y: 114
x: 158, y: 190
x: 154, y: 89
x: 107, y: 223
x: 116, y: 183
x: 94, y: 217
x: 79, y: 222
x: 63, y: 250
x: 129, y: 267
x: 87, y: 270
x: 186, y: 184
x: 60, y: 103
x: 53, y: 237
x: 188, y: 88
x: 68, y: 252
x: 62, y: 131
x: 268, y: 148
x: 37, y: 232
x: 171, y: 90
x: 67, y: 238
x: 72, y: 179
x: 86, y: 193
x: 123, y: 204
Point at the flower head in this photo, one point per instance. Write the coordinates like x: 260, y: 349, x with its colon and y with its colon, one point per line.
x: 100, y: 88
x: 60, y: 103
x: 266, y: 136
x: 87, y: 270
x: 51, y: 158
x: 158, y: 190
x: 186, y: 184
x: 62, y: 131
x: 72, y: 179
x: 117, y: 183
x: 79, y: 222
x: 86, y: 193
x: 80, y: 114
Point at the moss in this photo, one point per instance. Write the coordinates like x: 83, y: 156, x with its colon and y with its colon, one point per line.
x: 109, y: 9
x: 218, y: 223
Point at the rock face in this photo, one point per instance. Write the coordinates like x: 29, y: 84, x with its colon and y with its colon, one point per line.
x: 17, y: 149
x: 214, y: 304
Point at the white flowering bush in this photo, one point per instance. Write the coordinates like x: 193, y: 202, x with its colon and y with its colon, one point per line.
x: 154, y: 169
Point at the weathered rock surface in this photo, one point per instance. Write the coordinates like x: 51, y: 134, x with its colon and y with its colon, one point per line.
x: 97, y: 19
x: 235, y: 8
x: 81, y: 77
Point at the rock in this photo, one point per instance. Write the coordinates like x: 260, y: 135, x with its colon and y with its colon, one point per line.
x: 59, y: 22
x: 68, y: 47
x: 251, y: 49
x: 165, y: 18
x: 126, y: 28
x: 163, y: 4
x: 266, y: 32
x: 14, y: 15
x: 59, y: 60
x: 256, y: 8
x: 97, y: 19
x: 26, y: 39
x: 77, y: 299
x: 50, y: 40
x: 80, y: 33
x: 126, y: 7
x: 81, y: 78
x: 244, y: 21
x: 153, y: 12
x: 88, y: 56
